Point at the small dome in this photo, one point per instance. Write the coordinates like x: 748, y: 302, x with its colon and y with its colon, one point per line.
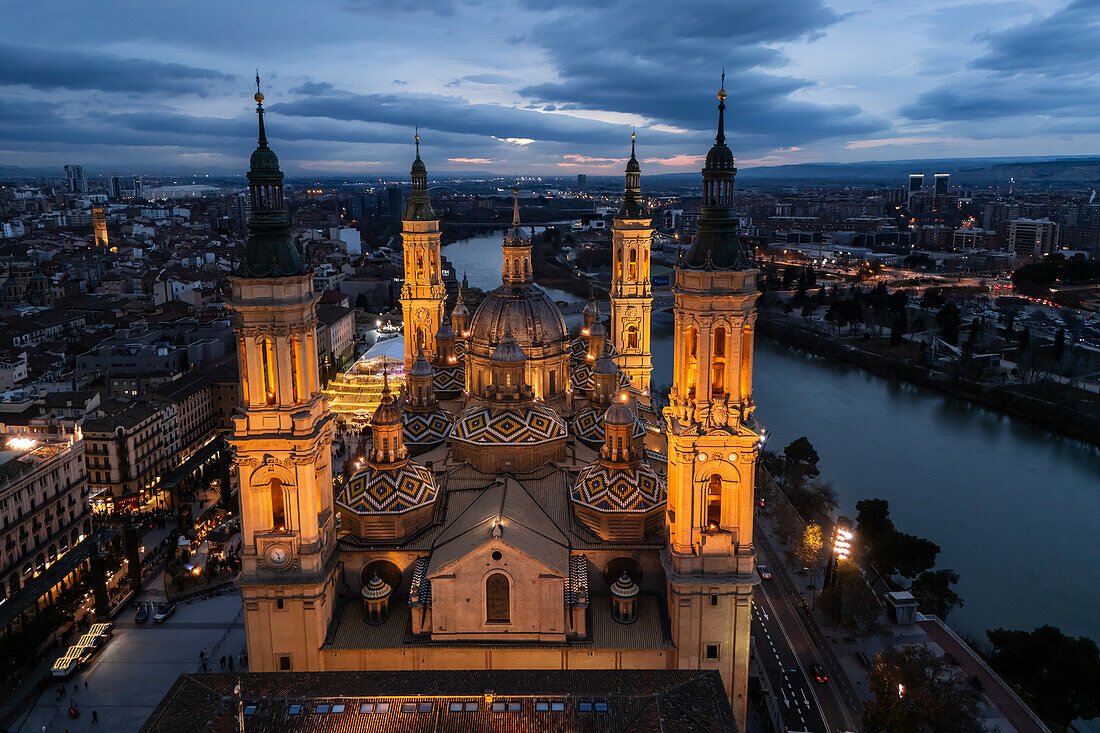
x: 418, y: 167
x: 720, y: 158
x: 421, y: 367
x: 376, y: 589
x: 591, y: 308
x: 632, y: 165
x: 388, y: 413
x: 445, y: 331
x: 508, y: 351
x: 598, y: 330
x: 604, y: 365
x: 624, y: 587
x: 264, y: 159
x: 619, y: 414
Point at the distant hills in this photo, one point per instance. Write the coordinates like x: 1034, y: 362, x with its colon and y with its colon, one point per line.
x: 964, y: 171
x: 978, y: 172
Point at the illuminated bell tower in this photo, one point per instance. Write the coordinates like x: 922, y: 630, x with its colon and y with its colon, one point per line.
x: 631, y: 297
x: 424, y: 294
x: 281, y: 437
x: 713, y: 440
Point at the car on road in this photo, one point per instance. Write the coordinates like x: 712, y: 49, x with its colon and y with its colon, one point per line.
x: 764, y: 572
x: 818, y: 673
x: 142, y: 614
x: 164, y: 611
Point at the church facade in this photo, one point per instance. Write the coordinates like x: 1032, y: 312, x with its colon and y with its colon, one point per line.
x: 522, y: 504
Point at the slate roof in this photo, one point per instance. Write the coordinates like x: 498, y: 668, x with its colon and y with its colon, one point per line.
x: 687, y: 701
x: 524, y: 527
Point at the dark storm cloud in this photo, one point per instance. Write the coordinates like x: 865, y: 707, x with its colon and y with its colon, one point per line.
x: 1064, y: 43
x: 991, y: 100
x: 312, y: 88
x: 54, y: 68
x: 665, y: 64
x: 457, y: 115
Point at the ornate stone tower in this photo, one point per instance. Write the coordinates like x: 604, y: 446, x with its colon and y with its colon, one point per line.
x: 631, y: 297
x: 281, y: 438
x: 423, y: 296
x: 713, y: 440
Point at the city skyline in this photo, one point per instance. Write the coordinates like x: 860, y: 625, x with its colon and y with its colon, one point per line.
x: 518, y: 88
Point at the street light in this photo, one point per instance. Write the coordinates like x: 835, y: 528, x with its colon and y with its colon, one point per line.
x: 842, y: 545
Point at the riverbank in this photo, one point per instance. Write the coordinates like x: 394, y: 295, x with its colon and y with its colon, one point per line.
x: 1061, y: 418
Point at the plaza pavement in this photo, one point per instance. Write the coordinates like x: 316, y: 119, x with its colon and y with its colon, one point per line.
x: 138, y: 665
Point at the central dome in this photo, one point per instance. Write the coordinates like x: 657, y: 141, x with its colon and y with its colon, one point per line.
x: 525, y: 310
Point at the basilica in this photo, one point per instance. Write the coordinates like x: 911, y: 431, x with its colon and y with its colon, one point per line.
x: 522, y: 505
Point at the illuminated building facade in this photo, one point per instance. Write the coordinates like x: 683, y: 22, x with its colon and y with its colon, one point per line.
x: 537, y: 515
x: 99, y: 225
x: 631, y: 296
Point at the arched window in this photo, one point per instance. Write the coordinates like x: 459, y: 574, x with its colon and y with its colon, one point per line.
x: 633, y: 264
x: 692, y: 337
x: 714, y: 502
x: 267, y: 349
x: 497, y: 599
x: 619, y: 264
x: 631, y: 337
x: 718, y: 363
x: 278, y: 508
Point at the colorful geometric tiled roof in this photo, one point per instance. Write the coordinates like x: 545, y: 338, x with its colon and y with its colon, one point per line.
x: 390, y: 491
x: 450, y: 379
x: 581, y: 377
x: 528, y: 425
x: 619, y: 489
x: 579, y: 348
x: 588, y: 426
x: 427, y: 428
x: 376, y: 589
x: 624, y: 587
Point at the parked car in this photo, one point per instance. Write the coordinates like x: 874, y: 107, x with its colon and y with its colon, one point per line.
x: 863, y: 659
x: 818, y: 673
x: 164, y: 610
x: 142, y: 614
x: 764, y: 572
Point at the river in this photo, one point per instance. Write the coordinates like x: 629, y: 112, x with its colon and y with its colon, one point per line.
x: 1012, y: 508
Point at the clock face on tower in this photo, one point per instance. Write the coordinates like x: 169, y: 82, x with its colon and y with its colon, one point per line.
x: 278, y: 556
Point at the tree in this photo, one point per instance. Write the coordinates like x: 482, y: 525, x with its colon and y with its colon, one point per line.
x: 899, y: 328
x: 811, y: 498
x: 361, y: 302
x: 851, y: 602
x: 949, y: 320
x: 934, y: 594
x: 932, y: 298
x: 800, y: 460
x: 1058, y: 675
x: 810, y: 545
x: 889, y: 551
x: 915, y: 690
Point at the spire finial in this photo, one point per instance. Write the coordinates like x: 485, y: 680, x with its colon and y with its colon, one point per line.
x: 720, y: 138
x: 385, y: 379
x: 515, y: 207
x: 417, y: 137
x: 633, y: 137
x: 259, y: 97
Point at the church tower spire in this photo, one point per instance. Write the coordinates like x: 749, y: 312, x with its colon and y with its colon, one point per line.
x: 517, y: 250
x: 424, y: 294
x: 713, y: 439
x: 631, y: 294
x: 282, y: 436
x: 270, y: 250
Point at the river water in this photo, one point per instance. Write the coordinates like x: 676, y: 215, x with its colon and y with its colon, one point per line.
x: 1012, y: 508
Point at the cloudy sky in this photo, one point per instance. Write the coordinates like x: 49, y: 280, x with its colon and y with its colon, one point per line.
x: 546, y: 86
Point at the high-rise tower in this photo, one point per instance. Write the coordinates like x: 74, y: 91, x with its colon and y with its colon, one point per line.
x: 99, y: 226
x: 713, y: 440
x: 631, y: 296
x: 423, y: 294
x: 281, y: 437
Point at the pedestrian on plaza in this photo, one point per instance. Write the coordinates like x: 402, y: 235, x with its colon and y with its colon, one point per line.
x: 85, y: 684
x: 222, y: 661
x: 76, y: 688
x: 230, y: 661
x: 204, y: 666
x: 95, y: 717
